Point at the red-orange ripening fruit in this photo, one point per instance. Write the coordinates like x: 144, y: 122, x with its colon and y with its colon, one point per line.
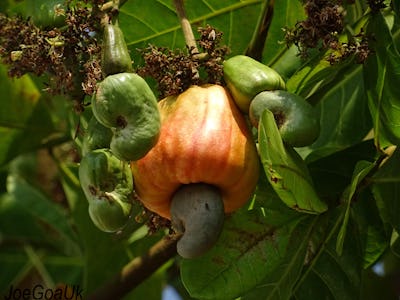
x: 203, y: 139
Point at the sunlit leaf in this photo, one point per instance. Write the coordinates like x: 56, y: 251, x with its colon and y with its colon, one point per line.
x: 248, y: 252
x: 156, y: 22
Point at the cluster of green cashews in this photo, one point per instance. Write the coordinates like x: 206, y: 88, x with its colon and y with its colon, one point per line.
x: 124, y: 102
x: 256, y: 87
x: 108, y: 186
x: 125, y: 125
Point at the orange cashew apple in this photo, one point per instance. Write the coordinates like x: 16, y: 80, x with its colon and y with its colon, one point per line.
x: 203, y: 139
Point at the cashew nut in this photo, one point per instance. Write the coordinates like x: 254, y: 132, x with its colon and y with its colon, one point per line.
x: 197, y: 211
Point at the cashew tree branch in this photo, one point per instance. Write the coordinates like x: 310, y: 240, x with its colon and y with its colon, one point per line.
x: 186, y: 27
x: 257, y: 43
x: 138, y: 270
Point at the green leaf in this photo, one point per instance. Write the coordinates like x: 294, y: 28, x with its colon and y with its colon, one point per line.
x: 326, y: 274
x: 395, y: 244
x: 396, y: 7
x: 386, y: 190
x: 49, y: 215
x: 275, y: 211
x: 381, y: 77
x: 156, y: 22
x: 285, y: 170
x: 279, y: 283
x: 24, y: 121
x: 286, y: 14
x: 332, y: 173
x: 344, y: 114
x: 361, y: 170
x: 373, y: 236
x: 248, y: 252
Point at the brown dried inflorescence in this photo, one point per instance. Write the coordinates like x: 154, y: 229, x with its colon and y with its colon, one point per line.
x: 176, y: 70
x: 68, y: 56
x: 321, y: 29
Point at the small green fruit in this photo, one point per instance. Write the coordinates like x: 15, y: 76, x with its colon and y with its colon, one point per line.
x: 96, y: 136
x: 115, y: 56
x: 108, y: 185
x: 296, y: 119
x: 125, y: 103
x: 245, y: 77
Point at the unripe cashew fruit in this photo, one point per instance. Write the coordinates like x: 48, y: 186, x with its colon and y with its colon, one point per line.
x: 108, y: 186
x: 96, y: 136
x: 203, y: 139
x: 115, y: 56
x: 125, y: 103
x: 296, y: 119
x: 245, y: 77
x: 197, y: 211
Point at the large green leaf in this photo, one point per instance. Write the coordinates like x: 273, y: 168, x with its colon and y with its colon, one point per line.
x: 156, y: 22
x: 381, y: 76
x: 328, y: 275
x: 279, y: 282
x: 343, y: 112
x: 248, y: 252
x: 286, y: 171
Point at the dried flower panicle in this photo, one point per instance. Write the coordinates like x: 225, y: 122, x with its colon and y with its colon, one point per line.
x: 68, y: 56
x: 321, y: 29
x: 176, y: 70
x: 209, y: 41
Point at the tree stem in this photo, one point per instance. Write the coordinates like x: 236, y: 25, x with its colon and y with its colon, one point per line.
x: 138, y: 270
x: 186, y: 27
x: 257, y: 43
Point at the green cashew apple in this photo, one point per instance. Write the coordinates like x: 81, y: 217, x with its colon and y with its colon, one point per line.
x: 108, y: 186
x: 125, y: 103
x: 245, y: 77
x: 96, y: 136
x: 296, y: 119
x: 115, y: 56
